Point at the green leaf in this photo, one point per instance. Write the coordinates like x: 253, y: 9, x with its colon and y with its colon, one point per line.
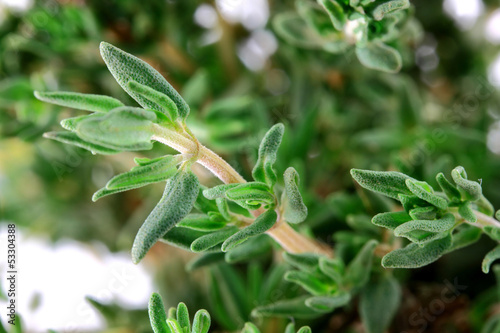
x: 379, y: 303
x: 218, y: 191
x: 333, y: 268
x: 443, y: 224
x: 465, y: 236
x: 391, y: 220
x: 183, y: 317
x: 126, y: 67
x: 290, y: 328
x: 255, y: 247
x: 177, y: 201
x: 174, y: 326
x: 315, y: 17
x: 425, y: 192
x: 157, y: 314
x: 252, y: 193
x: 262, y: 223
x: 201, y: 322
x: 223, y: 208
x: 358, y: 270
x: 466, y: 212
x: 208, y: 241
x: 250, y: 328
x: 492, y: 232
x: 310, y: 282
x: 165, y: 104
x: 414, y: 255
x: 293, y: 206
x: 295, y: 31
x: 489, y: 258
x: 295, y: 307
x: 327, y: 304
x: 410, y: 202
x: 389, y: 7
x: 201, y: 222
x: 304, y: 329
x: 88, y: 102
x: 448, y: 188
x: 471, y: 190
x: 75, y: 140
x: 379, y: 56
x: 336, y: 13
x: 388, y: 183
x: 123, y: 128
x: 423, y: 213
x: 70, y: 124
x: 304, y: 261
x: 263, y: 170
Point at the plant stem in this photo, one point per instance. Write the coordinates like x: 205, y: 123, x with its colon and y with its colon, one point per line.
x: 289, y: 239
x: 483, y: 220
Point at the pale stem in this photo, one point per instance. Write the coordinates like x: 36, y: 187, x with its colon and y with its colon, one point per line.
x: 290, y: 240
x: 483, y: 220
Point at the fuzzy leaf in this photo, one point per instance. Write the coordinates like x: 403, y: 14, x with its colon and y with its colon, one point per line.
x: 295, y: 307
x: 124, y: 128
x: 126, y: 67
x: 391, y: 220
x: 205, y: 259
x: 327, y: 304
x: 443, y: 224
x: 309, y: 281
x: 74, y: 139
x: 103, y: 192
x: 218, y: 191
x: 264, y: 222
x: 379, y: 56
x: 466, y: 212
x: 294, y: 209
x: 165, y: 104
x: 379, y: 303
x: 183, y: 317
x: 489, y: 258
x: 425, y: 192
x: 414, y: 255
x: 206, y: 242
x: 251, y: 249
x: 423, y: 213
x: 448, y: 188
x: 465, y: 236
x: 174, y: 326
x: 250, y: 193
x: 471, y: 190
x: 388, y: 183
x: 70, y: 124
x: 201, y: 322
x: 333, y: 268
x: 263, y: 170
x: 336, y: 13
x: 410, y: 202
x: 88, y: 102
x: 201, y: 222
x: 492, y: 232
x: 304, y: 329
x: 157, y: 314
x: 177, y: 201
x: 389, y: 7
x: 358, y: 272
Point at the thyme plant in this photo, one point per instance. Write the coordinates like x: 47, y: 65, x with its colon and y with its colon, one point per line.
x: 231, y: 221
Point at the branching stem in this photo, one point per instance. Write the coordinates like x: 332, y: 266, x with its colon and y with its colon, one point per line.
x: 282, y: 233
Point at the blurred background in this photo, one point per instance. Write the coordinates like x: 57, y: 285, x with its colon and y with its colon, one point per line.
x: 240, y: 75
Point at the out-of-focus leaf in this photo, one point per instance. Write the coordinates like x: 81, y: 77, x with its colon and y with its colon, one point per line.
x: 379, y: 56
x: 88, y: 102
x: 389, y: 183
x: 489, y: 258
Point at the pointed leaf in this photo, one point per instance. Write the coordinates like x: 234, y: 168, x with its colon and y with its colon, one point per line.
x: 182, y: 237
x: 388, y: 183
x: 165, y: 104
x: 391, y: 220
x: 74, y: 139
x: 201, y: 222
x: 126, y: 67
x: 359, y: 269
x: 88, y: 102
x: 177, y: 201
x: 310, y: 282
x: 208, y: 241
x: 414, y: 255
x: 295, y: 307
x: 443, y: 224
x: 264, y: 222
x: 304, y: 261
x: 263, y: 170
x: 425, y: 192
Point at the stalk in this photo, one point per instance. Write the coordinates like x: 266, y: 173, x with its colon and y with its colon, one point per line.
x: 289, y: 239
x: 483, y: 220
